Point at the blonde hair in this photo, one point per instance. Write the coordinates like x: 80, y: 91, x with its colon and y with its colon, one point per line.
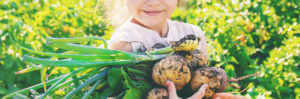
x: 117, y: 12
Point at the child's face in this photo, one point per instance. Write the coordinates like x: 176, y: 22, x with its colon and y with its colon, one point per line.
x: 151, y: 12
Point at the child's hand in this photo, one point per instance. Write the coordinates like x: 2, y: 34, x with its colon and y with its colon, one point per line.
x: 200, y: 93
x: 173, y: 94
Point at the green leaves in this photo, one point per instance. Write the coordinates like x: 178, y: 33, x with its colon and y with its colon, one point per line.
x: 132, y: 90
x: 118, y: 78
x: 37, y: 86
x: 249, y: 36
x: 114, y: 78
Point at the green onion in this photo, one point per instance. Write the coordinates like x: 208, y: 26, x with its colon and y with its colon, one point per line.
x: 75, y: 40
x: 87, y: 82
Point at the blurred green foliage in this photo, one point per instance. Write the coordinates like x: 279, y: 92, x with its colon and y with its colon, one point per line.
x: 31, y: 21
x: 244, y: 37
x: 249, y: 36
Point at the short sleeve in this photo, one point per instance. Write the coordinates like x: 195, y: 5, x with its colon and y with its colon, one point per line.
x: 124, y: 36
x: 116, y: 37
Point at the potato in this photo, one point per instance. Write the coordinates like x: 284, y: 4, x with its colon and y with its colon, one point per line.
x: 158, y: 93
x: 196, y: 59
x: 223, y: 80
x: 206, y: 75
x: 174, y: 68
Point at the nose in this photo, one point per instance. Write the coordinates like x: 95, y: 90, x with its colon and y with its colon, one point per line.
x: 153, y: 2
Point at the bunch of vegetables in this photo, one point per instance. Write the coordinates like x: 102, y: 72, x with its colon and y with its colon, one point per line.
x: 99, y: 66
x: 187, y: 68
x: 121, y: 74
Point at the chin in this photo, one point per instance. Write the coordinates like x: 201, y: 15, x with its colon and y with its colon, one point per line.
x: 152, y: 23
x: 149, y: 22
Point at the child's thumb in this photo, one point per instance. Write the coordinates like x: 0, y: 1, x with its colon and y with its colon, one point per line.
x: 171, y: 90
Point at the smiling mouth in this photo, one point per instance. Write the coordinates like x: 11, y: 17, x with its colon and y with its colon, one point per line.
x: 152, y: 13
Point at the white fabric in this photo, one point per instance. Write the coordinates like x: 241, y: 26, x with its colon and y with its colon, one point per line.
x: 133, y: 32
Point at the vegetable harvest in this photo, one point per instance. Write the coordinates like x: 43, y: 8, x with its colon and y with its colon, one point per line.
x: 103, y: 69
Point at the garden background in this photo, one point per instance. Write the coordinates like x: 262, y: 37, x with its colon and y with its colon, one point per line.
x: 244, y: 37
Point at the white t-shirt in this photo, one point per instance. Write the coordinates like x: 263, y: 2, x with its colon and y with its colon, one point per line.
x: 131, y: 32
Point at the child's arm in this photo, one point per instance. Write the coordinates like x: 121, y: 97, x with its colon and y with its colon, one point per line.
x: 121, y: 46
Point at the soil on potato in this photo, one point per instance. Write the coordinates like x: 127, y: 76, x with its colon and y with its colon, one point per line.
x: 158, y: 93
x: 206, y: 75
x: 196, y: 59
x: 174, y: 68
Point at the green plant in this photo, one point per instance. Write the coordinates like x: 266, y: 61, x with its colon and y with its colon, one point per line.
x: 244, y: 36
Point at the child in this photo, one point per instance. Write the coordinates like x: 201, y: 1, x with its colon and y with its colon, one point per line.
x: 148, y: 24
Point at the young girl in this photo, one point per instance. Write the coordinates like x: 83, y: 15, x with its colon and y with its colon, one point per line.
x: 147, y: 23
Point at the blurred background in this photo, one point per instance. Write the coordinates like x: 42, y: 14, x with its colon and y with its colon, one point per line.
x: 244, y: 37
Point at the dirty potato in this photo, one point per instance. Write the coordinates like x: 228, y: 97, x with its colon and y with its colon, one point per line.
x: 174, y: 68
x: 223, y: 80
x: 206, y: 75
x: 196, y: 59
x: 158, y: 93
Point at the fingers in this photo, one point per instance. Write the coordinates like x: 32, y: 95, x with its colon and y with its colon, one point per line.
x: 200, y: 93
x: 227, y: 96
x: 171, y: 90
x: 202, y: 89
